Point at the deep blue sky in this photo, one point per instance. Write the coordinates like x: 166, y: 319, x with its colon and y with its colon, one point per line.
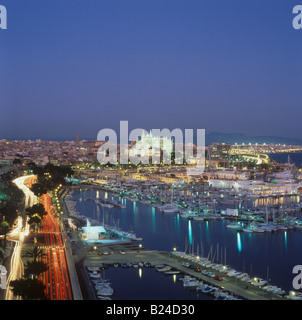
x: 69, y: 66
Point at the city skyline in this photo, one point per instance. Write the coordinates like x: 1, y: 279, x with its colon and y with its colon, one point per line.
x: 210, y: 65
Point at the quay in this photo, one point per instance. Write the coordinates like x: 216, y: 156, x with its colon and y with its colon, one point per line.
x: 135, y: 255
x: 96, y: 254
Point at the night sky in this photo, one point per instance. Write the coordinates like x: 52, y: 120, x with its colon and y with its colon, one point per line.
x: 69, y: 66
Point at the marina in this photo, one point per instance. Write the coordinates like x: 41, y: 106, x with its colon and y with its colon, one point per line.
x: 235, y: 286
x: 213, y: 239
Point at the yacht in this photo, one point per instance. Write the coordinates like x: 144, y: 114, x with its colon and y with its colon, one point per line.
x: 171, y: 209
x: 146, y: 201
x: 199, y: 218
x: 258, y: 282
x: 221, y: 295
x: 186, y: 278
x: 234, y: 273
x: 92, y: 269
x: 191, y: 283
x: 172, y: 272
x: 105, y: 291
x: 298, y: 226
x: 164, y: 269
x: 236, y: 226
x: 248, y: 230
x: 95, y: 275
x: 204, y: 288
x: 274, y: 290
x: 103, y: 298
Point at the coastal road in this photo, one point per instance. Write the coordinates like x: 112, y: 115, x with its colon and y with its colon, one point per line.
x: 17, y: 236
x: 56, y: 279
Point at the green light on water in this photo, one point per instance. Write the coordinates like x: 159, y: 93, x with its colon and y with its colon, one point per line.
x: 239, y: 244
x: 190, y: 234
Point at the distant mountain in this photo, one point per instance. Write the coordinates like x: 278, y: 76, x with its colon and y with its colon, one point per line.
x: 240, y: 138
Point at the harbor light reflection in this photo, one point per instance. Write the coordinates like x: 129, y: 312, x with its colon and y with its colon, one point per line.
x: 153, y: 220
x: 239, y: 244
x: 190, y: 235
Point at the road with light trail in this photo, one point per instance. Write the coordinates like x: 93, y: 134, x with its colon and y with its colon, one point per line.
x: 17, y: 236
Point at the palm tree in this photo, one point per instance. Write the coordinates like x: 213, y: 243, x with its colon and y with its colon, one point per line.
x: 28, y: 289
x: 34, y: 253
x: 35, y: 268
x: 36, y: 220
x: 2, y: 255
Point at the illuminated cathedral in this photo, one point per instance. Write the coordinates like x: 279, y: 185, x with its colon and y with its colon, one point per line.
x: 149, y: 144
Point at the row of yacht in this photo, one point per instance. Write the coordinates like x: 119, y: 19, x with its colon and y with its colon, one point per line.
x: 102, y: 286
x: 200, y: 286
x: 196, y: 206
x: 261, y: 227
x: 231, y: 273
x: 201, y: 204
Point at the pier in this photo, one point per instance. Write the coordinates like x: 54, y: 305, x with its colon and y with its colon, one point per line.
x: 106, y: 254
x: 134, y: 255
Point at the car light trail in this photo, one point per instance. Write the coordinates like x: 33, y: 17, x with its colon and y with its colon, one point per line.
x: 17, y: 236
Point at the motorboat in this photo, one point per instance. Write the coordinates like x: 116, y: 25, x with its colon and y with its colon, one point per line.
x: 204, y: 288
x: 221, y: 295
x: 103, y: 298
x: 234, y: 273
x: 92, y: 269
x: 186, y: 278
x: 105, y: 291
x: 258, y: 282
x: 172, y: 272
x: 164, y: 269
x: 95, y: 275
x: 171, y: 209
x: 191, y: 283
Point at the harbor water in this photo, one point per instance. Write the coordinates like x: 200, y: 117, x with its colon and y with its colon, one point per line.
x: 270, y: 256
x: 295, y: 158
x: 147, y: 283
